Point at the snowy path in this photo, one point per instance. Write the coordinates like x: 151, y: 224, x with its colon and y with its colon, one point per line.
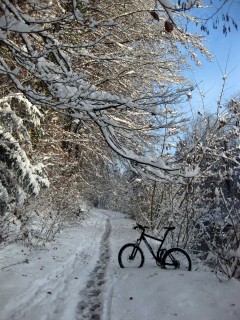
x: 91, y: 305
x: 78, y: 278
x: 51, y: 285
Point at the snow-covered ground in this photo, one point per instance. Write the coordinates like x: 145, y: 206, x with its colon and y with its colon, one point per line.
x: 78, y: 277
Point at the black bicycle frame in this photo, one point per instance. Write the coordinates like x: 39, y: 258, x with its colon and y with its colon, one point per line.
x: 144, y: 236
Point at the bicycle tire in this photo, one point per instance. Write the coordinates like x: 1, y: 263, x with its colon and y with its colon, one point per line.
x: 177, y: 258
x: 124, y: 256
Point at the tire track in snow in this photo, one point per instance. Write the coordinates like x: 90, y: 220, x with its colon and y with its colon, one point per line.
x: 91, y: 305
x: 56, y: 285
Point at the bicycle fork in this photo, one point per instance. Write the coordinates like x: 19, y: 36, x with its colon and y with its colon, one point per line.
x: 135, y: 249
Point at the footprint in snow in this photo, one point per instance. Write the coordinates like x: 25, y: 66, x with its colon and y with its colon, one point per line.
x: 90, y: 307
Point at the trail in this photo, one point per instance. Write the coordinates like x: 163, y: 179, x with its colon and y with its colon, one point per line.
x: 91, y: 305
x: 55, y: 281
x: 78, y: 278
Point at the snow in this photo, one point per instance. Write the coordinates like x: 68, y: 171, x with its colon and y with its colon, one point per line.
x: 78, y: 277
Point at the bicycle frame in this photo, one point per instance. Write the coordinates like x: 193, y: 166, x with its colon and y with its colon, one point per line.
x: 143, y: 238
x: 165, y: 258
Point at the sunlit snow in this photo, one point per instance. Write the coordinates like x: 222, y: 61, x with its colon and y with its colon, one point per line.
x: 78, y: 277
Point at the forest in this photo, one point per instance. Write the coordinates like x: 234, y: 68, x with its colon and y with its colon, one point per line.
x: 91, y: 115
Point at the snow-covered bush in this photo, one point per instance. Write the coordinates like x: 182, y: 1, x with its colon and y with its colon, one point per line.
x: 221, y: 239
x: 204, y: 208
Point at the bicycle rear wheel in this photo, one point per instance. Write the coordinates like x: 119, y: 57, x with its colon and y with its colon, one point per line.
x: 177, y: 258
x: 130, y: 256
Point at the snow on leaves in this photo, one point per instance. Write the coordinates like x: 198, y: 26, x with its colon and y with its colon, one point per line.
x: 18, y: 176
x: 43, y: 49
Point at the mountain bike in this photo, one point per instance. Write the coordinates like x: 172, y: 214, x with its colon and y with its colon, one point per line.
x: 131, y: 255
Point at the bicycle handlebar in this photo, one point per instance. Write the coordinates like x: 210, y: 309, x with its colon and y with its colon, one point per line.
x: 139, y: 226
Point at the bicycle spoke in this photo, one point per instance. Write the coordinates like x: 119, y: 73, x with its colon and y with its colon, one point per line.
x: 131, y: 257
x: 177, y: 259
x: 132, y: 260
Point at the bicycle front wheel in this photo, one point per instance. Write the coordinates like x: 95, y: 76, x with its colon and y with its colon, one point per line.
x: 177, y: 258
x: 130, y: 256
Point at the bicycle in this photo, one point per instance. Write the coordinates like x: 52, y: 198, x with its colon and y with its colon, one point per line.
x: 131, y: 255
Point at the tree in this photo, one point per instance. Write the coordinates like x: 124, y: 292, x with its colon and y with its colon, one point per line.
x: 19, y: 120
x: 36, y: 57
x: 20, y: 175
x: 214, y: 194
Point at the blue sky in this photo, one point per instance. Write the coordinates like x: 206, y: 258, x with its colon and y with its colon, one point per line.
x: 226, y: 61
